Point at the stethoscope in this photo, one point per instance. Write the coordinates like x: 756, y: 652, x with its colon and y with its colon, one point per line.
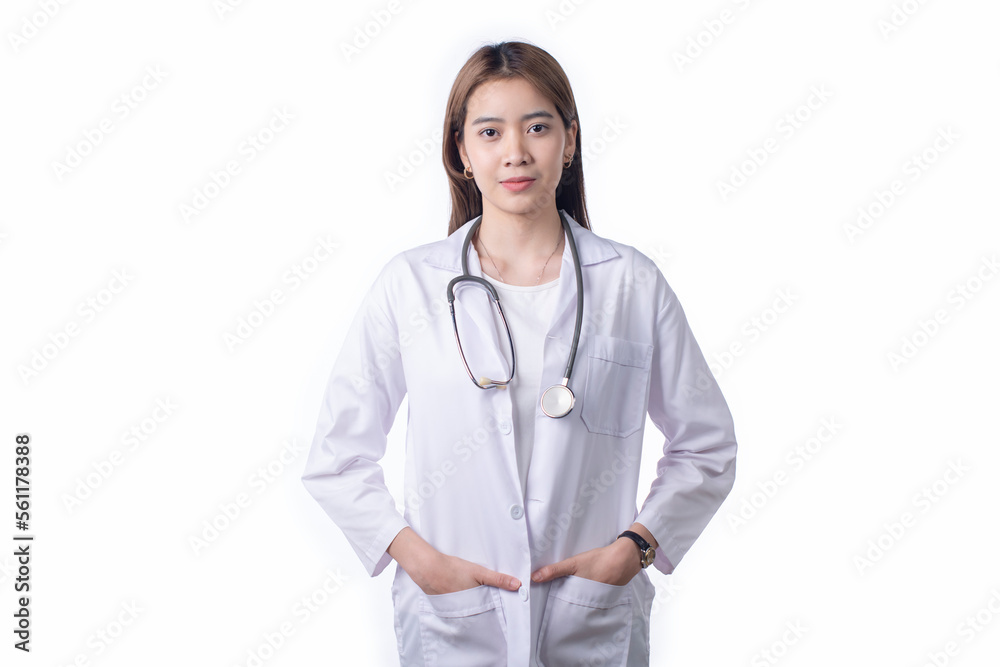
x: 557, y: 400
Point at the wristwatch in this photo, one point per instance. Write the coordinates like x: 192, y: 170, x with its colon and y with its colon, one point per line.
x: 646, y: 552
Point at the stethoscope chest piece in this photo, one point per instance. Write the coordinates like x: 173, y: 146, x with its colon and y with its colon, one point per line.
x: 558, y: 400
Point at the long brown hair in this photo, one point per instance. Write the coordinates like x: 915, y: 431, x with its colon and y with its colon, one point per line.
x: 505, y: 60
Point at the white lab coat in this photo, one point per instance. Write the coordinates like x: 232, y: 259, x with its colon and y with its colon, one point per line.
x: 461, y: 486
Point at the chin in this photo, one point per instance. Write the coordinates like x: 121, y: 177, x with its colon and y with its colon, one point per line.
x: 523, y: 203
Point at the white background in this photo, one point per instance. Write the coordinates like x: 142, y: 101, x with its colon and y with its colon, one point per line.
x: 661, y: 135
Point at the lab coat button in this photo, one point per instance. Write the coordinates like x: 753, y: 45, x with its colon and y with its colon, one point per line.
x: 505, y: 427
x: 516, y: 511
x: 523, y: 592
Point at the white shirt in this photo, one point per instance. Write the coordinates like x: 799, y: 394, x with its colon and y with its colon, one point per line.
x: 528, y: 310
x: 462, y: 490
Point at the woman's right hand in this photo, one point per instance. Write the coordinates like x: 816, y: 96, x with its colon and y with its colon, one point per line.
x: 437, y: 573
x: 448, y: 574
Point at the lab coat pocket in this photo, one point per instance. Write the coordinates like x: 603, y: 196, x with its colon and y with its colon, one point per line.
x: 586, y: 622
x: 614, y: 400
x: 463, y: 629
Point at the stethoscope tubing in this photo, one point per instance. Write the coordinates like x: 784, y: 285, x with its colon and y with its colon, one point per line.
x: 577, y: 269
x: 578, y: 326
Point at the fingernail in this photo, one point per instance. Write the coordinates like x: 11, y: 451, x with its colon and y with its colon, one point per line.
x: 536, y: 576
x: 514, y: 583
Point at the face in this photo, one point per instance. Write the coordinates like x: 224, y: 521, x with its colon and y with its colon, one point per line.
x: 512, y: 131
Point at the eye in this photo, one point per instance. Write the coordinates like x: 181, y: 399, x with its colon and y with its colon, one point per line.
x: 541, y: 125
x: 489, y: 129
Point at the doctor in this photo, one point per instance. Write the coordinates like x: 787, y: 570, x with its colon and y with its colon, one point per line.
x: 521, y: 544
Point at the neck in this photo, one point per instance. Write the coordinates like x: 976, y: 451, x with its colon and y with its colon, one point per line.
x: 519, y: 246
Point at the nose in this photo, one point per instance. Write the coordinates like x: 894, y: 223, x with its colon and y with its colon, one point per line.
x: 514, y: 149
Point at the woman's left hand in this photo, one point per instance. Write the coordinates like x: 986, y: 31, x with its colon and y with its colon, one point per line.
x: 614, y: 564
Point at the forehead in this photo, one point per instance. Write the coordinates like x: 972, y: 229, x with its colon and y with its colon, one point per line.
x: 506, y: 98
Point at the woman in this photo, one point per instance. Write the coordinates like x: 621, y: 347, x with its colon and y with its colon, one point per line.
x: 520, y: 543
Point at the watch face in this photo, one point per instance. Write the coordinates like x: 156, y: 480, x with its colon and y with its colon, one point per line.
x: 648, y: 557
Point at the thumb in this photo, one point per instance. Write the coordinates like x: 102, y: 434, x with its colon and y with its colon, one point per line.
x: 504, y: 581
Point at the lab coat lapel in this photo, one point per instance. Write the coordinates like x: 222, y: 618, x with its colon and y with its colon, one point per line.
x: 564, y: 314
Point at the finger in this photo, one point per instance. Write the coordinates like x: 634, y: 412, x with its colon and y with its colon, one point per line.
x: 504, y: 581
x: 560, y: 569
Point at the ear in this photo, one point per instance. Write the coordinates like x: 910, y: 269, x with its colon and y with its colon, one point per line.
x: 571, y: 134
x: 461, y: 149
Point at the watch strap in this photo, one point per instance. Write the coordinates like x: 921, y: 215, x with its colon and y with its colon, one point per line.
x: 637, y: 538
x: 646, y: 552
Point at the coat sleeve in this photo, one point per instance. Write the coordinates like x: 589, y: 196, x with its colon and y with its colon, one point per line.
x: 698, y: 466
x: 362, y: 396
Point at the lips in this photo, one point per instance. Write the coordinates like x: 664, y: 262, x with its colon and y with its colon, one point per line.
x: 517, y: 184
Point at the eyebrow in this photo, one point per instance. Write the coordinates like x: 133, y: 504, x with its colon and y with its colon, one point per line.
x: 541, y: 113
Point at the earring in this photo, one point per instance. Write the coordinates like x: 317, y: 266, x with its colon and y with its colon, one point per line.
x: 567, y: 164
x: 468, y: 173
